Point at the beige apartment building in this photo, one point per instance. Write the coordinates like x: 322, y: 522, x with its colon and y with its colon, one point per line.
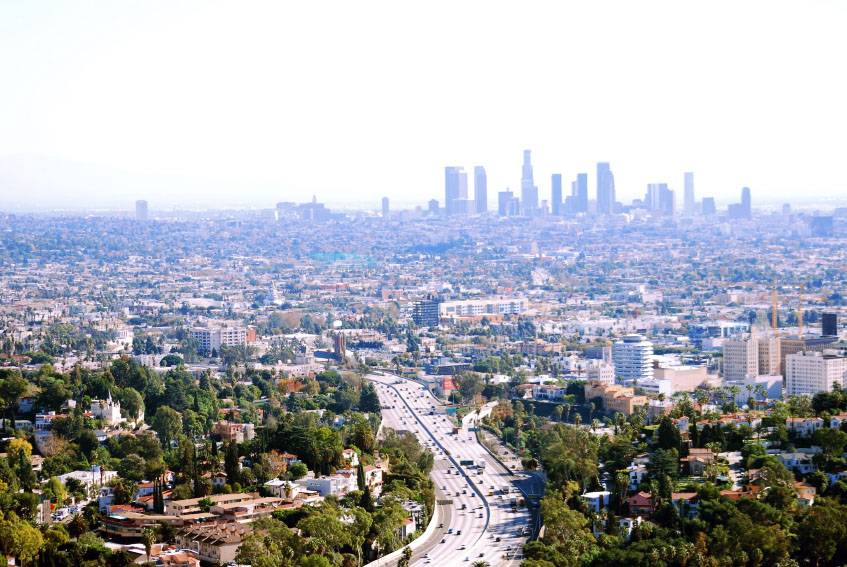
x: 740, y: 358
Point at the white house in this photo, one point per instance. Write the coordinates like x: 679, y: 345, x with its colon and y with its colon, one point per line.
x: 596, y: 501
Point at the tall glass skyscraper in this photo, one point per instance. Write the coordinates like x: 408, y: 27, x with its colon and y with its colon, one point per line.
x: 579, y: 190
x: 605, y: 189
x: 529, y: 192
x: 688, y: 197
x: 455, y: 189
x: 556, y: 194
x: 746, y: 202
x: 480, y: 190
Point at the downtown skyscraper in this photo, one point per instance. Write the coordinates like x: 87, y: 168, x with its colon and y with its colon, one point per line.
x: 556, y: 194
x: 455, y: 190
x: 579, y: 194
x: 688, y: 197
x: 480, y: 190
x: 605, y: 189
x: 529, y: 192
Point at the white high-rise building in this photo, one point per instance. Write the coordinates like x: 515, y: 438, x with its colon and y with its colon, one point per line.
x: 812, y: 372
x: 633, y: 358
x: 740, y: 358
x: 688, y: 197
x: 209, y: 339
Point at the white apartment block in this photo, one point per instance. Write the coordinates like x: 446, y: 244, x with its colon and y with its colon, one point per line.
x: 480, y: 307
x: 811, y: 372
x: 213, y: 338
x: 332, y: 485
x: 633, y: 358
x: 740, y: 358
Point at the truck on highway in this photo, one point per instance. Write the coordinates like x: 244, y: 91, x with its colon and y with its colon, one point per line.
x: 466, y: 462
x: 455, y: 431
x: 480, y: 463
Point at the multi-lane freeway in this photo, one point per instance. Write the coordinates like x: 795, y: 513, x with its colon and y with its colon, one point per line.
x: 481, y: 517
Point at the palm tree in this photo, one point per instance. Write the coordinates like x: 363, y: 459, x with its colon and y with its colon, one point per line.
x: 480, y: 563
x: 148, y: 535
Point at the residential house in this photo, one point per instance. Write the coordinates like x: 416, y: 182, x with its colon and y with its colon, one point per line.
x: 800, y: 462
x: 837, y: 421
x: 215, y: 543
x: 640, y: 504
x: 697, y: 461
x: 686, y: 503
x: 803, y: 426
x: 234, y: 432
x: 596, y: 501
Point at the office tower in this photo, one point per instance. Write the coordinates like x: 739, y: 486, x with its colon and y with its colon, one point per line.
x: 425, y: 312
x: 556, y: 194
x: 688, y: 198
x: 480, y: 190
x: 829, y: 324
x: 529, y: 192
x: 504, y: 202
x: 746, y: 205
x: 708, y: 207
x: 807, y: 373
x: 633, y: 358
x: 659, y: 198
x: 605, y: 189
x: 432, y: 206
x: 794, y: 344
x: 385, y: 207
x: 141, y: 210
x: 822, y: 226
x: 769, y: 357
x: 579, y: 191
x: 740, y: 358
x: 455, y: 188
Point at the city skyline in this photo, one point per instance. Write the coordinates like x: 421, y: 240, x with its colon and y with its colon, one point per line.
x: 97, y: 115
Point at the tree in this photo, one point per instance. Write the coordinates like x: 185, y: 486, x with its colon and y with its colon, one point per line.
x: 569, y: 453
x: 168, y: 424
x: 369, y: 400
x: 148, y: 536
x: 668, y: 436
x: 664, y: 462
x: 18, y: 452
x: 405, y: 557
x: 822, y: 534
x: 231, y: 463
x: 12, y: 387
x: 132, y: 467
x: 298, y: 470
x: 55, y: 490
x: 132, y: 404
x: 566, y: 531
x: 557, y: 412
x: 470, y: 386
x: 19, y: 538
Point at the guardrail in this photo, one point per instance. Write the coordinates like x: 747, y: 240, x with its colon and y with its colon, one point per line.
x: 492, y: 453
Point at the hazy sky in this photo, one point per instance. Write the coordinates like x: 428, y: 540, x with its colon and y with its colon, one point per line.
x: 255, y: 102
